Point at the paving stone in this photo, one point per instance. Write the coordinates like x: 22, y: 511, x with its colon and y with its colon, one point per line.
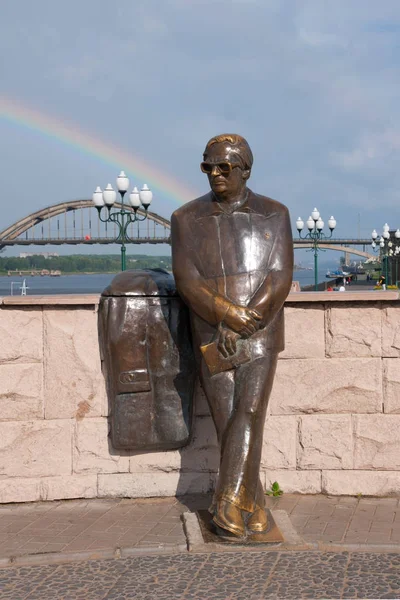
x: 373, y: 576
x: 215, y: 576
x: 300, y: 575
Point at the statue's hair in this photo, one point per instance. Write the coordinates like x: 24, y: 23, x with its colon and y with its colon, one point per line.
x: 239, y: 146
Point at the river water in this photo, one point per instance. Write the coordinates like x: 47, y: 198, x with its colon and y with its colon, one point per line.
x: 95, y: 283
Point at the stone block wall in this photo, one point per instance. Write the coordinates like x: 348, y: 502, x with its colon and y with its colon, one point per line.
x: 334, y: 413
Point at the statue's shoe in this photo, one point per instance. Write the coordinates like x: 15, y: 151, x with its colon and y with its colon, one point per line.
x: 229, y: 517
x: 258, y: 521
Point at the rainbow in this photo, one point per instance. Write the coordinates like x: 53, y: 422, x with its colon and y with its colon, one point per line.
x: 70, y: 135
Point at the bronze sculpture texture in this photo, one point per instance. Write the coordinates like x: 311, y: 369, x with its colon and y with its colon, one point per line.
x: 232, y: 255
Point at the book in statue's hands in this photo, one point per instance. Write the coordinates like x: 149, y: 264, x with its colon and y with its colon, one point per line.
x: 217, y: 363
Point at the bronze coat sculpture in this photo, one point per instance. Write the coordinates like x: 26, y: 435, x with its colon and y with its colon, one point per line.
x: 148, y: 362
x: 232, y: 255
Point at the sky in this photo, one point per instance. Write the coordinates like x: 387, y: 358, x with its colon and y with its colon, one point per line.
x: 313, y: 85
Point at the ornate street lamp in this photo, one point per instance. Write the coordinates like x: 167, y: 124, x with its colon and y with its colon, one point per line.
x: 315, y: 234
x: 386, y: 247
x: 123, y: 218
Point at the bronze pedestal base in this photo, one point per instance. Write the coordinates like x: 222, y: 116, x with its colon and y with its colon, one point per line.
x: 215, y: 535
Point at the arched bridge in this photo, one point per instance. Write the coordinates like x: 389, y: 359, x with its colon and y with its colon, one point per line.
x: 340, y: 245
x: 77, y: 222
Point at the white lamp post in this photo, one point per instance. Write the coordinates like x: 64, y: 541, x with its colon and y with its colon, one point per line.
x: 123, y: 218
x: 315, y: 226
x: 387, y: 248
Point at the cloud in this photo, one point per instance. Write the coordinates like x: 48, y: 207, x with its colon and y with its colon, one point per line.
x: 318, y: 39
x: 373, y: 151
x: 313, y: 84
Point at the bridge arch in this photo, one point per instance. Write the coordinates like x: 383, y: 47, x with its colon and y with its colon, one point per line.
x: 339, y: 248
x: 154, y: 230
x: 11, y: 235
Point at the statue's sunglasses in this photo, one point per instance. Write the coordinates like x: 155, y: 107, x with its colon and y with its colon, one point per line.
x: 223, y: 167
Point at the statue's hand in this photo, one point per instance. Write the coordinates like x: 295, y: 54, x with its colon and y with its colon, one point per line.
x: 227, y: 341
x: 244, y: 321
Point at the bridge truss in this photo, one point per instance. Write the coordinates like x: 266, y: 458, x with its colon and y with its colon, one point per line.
x: 76, y: 222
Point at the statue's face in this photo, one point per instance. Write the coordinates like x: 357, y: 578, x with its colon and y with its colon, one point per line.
x: 224, y: 170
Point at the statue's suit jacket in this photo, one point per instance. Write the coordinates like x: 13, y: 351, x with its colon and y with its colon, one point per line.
x: 244, y: 257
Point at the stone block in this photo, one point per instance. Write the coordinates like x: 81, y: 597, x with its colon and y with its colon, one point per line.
x: 21, y: 489
x: 377, y: 442
x: 327, y: 386
x: 325, y: 442
x: 149, y: 485
x: 391, y: 331
x: 279, y: 443
x: 92, y: 450
x: 157, y: 462
x: 74, y: 384
x: 201, y: 455
x: 35, y: 448
x: 21, y: 391
x: 353, y: 331
x: 23, y: 330
x: 200, y: 401
x: 367, y: 483
x: 304, y: 331
x: 294, y: 482
x: 391, y: 385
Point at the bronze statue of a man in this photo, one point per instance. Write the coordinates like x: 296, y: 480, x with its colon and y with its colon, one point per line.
x: 232, y: 261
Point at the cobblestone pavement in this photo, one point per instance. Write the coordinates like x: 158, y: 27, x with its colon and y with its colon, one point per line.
x: 219, y: 576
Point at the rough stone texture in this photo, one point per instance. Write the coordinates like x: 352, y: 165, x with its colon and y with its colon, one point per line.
x: 35, y: 448
x: 74, y: 384
x: 368, y: 483
x: 149, y: 485
x: 23, y: 331
x: 327, y: 386
x: 304, y: 331
x: 349, y: 334
x: 377, y: 442
x: 391, y: 331
x: 157, y: 462
x: 201, y: 455
x: 21, y: 391
x: 308, y: 430
x: 27, y: 489
x: 92, y: 450
x: 279, y: 444
x: 200, y: 401
x: 301, y: 482
x: 214, y: 576
x: 391, y: 385
x: 325, y: 442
